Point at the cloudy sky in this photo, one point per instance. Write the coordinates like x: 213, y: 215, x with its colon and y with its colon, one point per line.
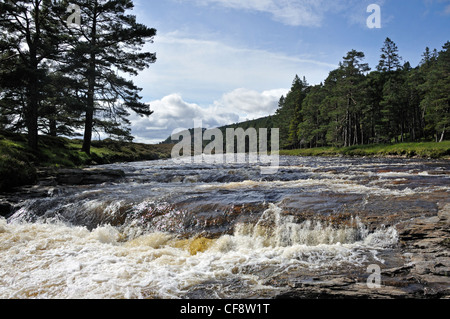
x: 224, y: 61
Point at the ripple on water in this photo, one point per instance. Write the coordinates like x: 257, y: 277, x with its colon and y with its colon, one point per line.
x: 169, y: 231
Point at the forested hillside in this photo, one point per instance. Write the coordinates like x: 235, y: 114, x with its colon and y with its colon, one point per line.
x: 355, y: 106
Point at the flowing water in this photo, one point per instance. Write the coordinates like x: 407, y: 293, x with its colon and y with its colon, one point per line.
x: 214, y: 230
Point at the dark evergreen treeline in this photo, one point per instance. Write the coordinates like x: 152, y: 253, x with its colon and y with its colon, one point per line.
x: 65, y: 67
x: 353, y: 106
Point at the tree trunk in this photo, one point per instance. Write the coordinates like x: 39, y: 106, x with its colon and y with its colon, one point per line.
x: 90, y: 107
x: 443, y: 135
x: 31, y: 122
x: 31, y: 113
x: 31, y: 110
x: 88, y: 127
x: 402, y: 127
x: 53, y: 131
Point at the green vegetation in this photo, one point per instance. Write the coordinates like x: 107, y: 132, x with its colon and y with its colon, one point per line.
x: 407, y: 150
x: 356, y: 111
x: 68, y: 79
x: 19, y: 164
x: 57, y: 79
x: 354, y: 106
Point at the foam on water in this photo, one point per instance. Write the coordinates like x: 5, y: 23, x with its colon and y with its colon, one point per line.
x: 341, y: 186
x: 275, y: 230
x: 63, y: 245
x: 54, y: 260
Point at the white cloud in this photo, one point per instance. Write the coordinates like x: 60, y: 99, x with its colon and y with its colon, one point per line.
x: 202, y: 70
x: 224, y: 84
x: 250, y: 104
x: 289, y: 12
x: 173, y: 113
x: 304, y: 13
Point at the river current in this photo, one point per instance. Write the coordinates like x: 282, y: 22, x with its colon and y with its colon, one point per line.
x: 203, y: 230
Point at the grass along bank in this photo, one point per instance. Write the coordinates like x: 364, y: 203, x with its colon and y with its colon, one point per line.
x: 406, y: 150
x: 19, y: 165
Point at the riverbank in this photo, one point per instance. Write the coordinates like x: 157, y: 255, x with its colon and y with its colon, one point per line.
x: 20, y: 166
x: 405, y: 150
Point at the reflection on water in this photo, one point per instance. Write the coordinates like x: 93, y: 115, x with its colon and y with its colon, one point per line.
x: 202, y: 230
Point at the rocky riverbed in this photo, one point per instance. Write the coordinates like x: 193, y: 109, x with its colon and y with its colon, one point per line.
x: 158, y: 230
x: 422, y: 268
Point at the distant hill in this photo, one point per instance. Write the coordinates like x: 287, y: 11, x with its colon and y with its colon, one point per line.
x: 264, y: 122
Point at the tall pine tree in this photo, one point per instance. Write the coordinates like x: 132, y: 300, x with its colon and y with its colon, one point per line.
x: 105, y: 48
x: 390, y: 60
x: 288, y: 115
x: 436, y: 102
x: 390, y: 68
x: 313, y: 128
x: 348, y: 99
x: 29, y: 36
x: 391, y: 104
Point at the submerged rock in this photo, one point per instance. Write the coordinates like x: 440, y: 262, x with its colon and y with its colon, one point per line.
x: 424, y: 271
x: 88, y: 176
x: 5, y: 209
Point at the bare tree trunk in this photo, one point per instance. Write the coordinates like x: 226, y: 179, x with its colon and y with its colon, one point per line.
x: 443, y: 135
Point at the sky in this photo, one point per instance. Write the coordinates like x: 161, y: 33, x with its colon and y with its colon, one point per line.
x: 224, y: 61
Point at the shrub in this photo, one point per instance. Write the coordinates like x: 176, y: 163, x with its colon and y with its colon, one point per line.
x: 14, y: 173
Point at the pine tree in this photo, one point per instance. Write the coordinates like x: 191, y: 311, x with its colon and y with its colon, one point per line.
x: 349, y: 88
x: 372, y: 120
x: 295, y: 101
x: 106, y: 47
x: 427, y: 57
x: 288, y: 115
x: 436, y: 103
x: 29, y: 37
x: 330, y: 108
x: 390, y: 60
x: 393, y: 99
x: 12, y: 93
x: 313, y: 128
x: 280, y: 119
x: 62, y: 107
x: 413, y: 81
x: 394, y: 106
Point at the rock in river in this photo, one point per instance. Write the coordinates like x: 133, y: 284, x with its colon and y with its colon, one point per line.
x: 87, y: 176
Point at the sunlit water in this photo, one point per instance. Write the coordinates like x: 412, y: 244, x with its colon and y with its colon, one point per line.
x: 216, y: 231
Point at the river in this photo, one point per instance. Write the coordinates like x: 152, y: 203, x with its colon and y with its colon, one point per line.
x: 215, y: 230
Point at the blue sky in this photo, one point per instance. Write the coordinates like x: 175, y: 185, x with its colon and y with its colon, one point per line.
x: 224, y: 61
